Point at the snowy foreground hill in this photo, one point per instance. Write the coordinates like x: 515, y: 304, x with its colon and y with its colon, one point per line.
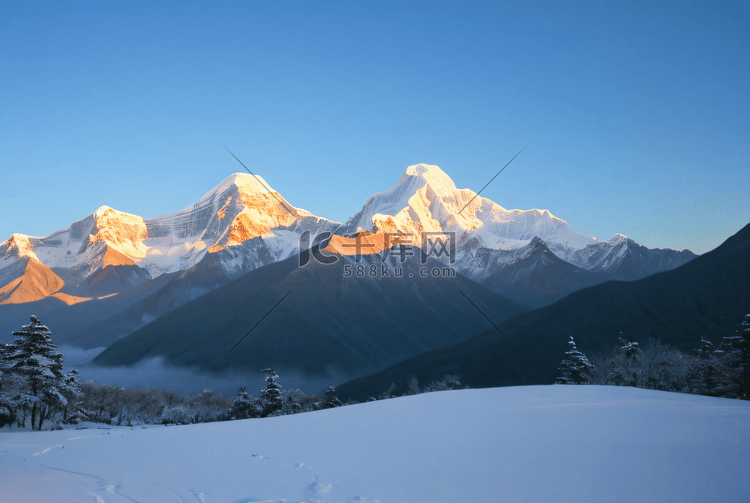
x: 538, y: 443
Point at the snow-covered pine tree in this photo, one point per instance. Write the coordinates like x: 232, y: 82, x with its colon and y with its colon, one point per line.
x: 330, y: 399
x: 35, y: 359
x: 743, y: 344
x: 706, y: 373
x: 70, y: 388
x: 244, y: 405
x: 414, y: 388
x: 733, y: 355
x: 8, y: 387
x: 575, y: 368
x: 271, y: 396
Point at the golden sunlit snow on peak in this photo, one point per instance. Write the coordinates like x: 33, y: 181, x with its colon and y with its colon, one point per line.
x: 223, y: 210
x: 259, y: 215
x: 253, y: 222
x: 432, y: 174
x: 249, y: 184
x: 17, y: 246
x: 123, y: 232
x: 365, y: 243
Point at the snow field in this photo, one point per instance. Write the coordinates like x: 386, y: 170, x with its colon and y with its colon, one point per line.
x: 522, y: 444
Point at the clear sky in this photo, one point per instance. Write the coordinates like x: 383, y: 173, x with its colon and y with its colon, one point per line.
x: 636, y: 114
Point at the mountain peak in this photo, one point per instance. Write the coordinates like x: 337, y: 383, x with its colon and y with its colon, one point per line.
x: 618, y: 238
x: 17, y: 246
x: 246, y: 184
x: 431, y: 174
x: 123, y: 231
x: 102, y: 210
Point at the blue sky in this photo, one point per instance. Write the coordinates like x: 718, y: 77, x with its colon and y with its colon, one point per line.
x: 636, y: 114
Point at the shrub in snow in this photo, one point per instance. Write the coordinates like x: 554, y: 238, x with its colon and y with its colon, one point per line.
x: 177, y: 414
x: 661, y: 367
x: 207, y: 406
x: 291, y: 402
x: 111, y: 404
x: 624, y: 366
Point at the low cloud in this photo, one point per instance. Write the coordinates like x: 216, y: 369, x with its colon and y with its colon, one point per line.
x: 155, y: 373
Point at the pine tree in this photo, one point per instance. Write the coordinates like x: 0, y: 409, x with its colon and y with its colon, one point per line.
x: 575, y: 368
x: 70, y: 388
x: 742, y: 343
x: 244, y: 406
x: 330, y: 399
x: 413, y: 386
x: 35, y: 360
x: 271, y: 396
x: 706, y: 373
x: 8, y: 387
x: 733, y: 355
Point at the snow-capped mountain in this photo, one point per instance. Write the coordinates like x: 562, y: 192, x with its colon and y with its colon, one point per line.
x: 425, y: 200
x: 531, y: 274
x: 118, y: 271
x: 239, y: 219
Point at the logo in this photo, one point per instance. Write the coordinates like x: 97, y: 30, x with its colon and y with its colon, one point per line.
x: 438, y: 245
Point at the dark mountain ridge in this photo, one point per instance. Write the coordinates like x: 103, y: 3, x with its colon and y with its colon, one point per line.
x: 707, y: 297
x: 316, y: 319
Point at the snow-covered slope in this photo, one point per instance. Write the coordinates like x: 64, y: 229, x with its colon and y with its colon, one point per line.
x: 573, y: 444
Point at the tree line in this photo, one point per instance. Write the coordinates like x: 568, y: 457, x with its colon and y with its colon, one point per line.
x: 720, y: 371
x: 35, y: 391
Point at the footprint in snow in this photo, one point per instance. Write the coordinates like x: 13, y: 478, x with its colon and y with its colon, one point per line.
x: 99, y: 499
x: 320, y: 491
